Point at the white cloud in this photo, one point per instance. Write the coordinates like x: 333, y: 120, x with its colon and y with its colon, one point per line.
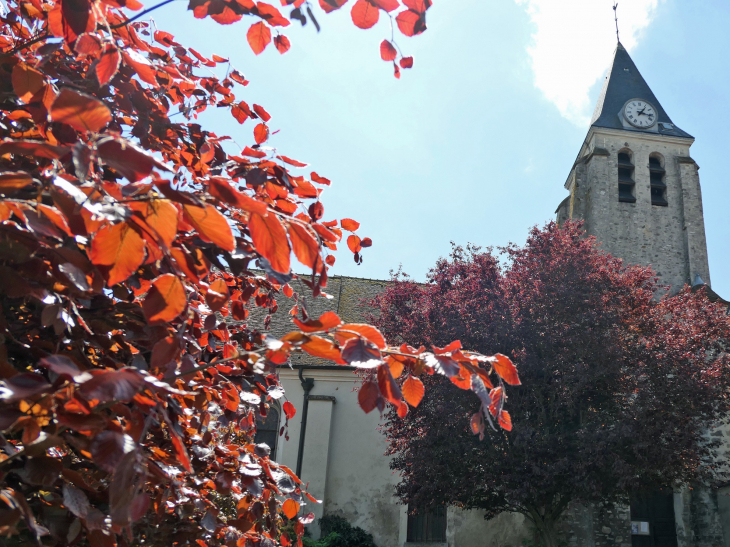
x: 572, y: 43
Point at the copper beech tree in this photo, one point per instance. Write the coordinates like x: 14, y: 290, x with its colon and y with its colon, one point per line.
x: 620, y: 387
x: 131, y: 375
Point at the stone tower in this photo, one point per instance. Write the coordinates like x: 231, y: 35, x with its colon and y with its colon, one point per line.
x: 635, y: 184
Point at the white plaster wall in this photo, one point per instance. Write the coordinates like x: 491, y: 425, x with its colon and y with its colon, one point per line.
x: 351, y: 473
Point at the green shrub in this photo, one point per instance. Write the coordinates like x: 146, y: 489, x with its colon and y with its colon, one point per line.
x: 337, y: 532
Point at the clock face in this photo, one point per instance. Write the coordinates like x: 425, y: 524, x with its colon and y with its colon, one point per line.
x: 639, y: 113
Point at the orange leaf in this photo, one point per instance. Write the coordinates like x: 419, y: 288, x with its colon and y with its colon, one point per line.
x: 319, y: 180
x: 504, y: 367
x: 353, y: 242
x: 505, y: 420
x: 321, y: 347
x: 387, y: 51
x: 269, y: 238
x: 12, y: 182
x: 220, y: 188
x: 290, y: 508
x: 165, y: 300
x: 258, y: 36
x: 80, y: 111
x: 326, y: 321
x: 26, y: 82
x: 366, y: 331
x: 349, y: 224
x: 289, y: 410
x: 282, y: 43
x: 406, y: 62
x: 108, y: 64
x: 217, y: 294
x: 413, y: 390
x: 364, y: 14
x: 160, y: 215
x: 305, y: 245
x: 411, y: 22
x: 261, y: 133
x: 261, y: 112
x: 211, y: 225
x: 118, y: 246
x: 388, y: 387
x: 290, y: 161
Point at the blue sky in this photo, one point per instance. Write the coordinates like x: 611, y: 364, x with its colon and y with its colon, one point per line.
x: 475, y: 142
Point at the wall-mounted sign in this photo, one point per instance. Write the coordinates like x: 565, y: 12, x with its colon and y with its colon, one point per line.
x: 639, y: 528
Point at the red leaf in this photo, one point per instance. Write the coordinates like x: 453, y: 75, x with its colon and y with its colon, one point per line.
x: 161, y: 216
x: 289, y: 410
x: 411, y: 23
x: 165, y: 301
x: 26, y: 81
x: 406, y: 62
x: 366, y: 242
x: 282, y: 43
x: 453, y: 346
x: 368, y: 396
x: 115, y: 385
x: 269, y: 238
x: 505, y: 420
x: 361, y: 353
x: 265, y: 116
x: 504, y: 367
x: 219, y: 59
x: 290, y: 508
x: 419, y: 6
x: 271, y: 15
x: 326, y: 321
x: 396, y: 70
x: 88, y: 44
x: 364, y: 14
x: 386, y: 5
x: 413, y: 390
x: 316, y: 210
x: 304, y: 244
x: 290, y: 161
x: 119, y: 246
x: 349, y: 224
x: 387, y: 51
x: 141, y: 66
x: 61, y: 365
x: 319, y: 180
x: 108, y: 64
x: 80, y: 111
x: 217, y: 295
x: 211, y: 225
x: 261, y: 133
x: 220, y: 188
x: 331, y: 5
x: 369, y: 332
x: 34, y: 148
x: 321, y: 347
x: 130, y: 161
x: 259, y: 36
x: 353, y: 242
x: 109, y: 447
x: 22, y: 386
x: 165, y: 351
x: 388, y: 387
x: 13, y: 181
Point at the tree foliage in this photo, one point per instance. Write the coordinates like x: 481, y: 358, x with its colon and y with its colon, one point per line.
x: 131, y: 373
x: 620, y: 386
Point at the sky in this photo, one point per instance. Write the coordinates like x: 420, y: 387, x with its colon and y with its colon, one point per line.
x: 474, y: 143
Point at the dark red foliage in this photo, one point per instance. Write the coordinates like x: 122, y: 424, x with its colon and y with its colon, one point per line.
x: 619, y: 387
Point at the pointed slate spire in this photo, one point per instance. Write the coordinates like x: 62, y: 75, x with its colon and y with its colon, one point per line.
x: 624, y: 82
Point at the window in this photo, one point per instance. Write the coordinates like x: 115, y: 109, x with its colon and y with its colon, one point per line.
x: 268, y: 430
x: 625, y: 178
x: 658, y: 186
x: 427, y: 525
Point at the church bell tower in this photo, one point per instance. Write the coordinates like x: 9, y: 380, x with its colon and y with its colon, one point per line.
x: 635, y: 184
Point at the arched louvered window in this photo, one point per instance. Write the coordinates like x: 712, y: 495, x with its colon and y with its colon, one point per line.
x: 625, y: 177
x: 267, y: 431
x: 658, y: 186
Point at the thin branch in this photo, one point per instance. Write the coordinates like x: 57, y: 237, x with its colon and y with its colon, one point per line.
x: 140, y: 14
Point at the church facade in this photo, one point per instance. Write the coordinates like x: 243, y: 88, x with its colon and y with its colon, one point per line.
x: 637, y: 189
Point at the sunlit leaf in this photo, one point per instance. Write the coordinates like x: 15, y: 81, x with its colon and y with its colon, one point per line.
x: 269, y: 238
x: 80, y: 111
x: 120, y: 247
x: 165, y: 301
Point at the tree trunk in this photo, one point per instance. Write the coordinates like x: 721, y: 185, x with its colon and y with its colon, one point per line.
x: 545, y: 525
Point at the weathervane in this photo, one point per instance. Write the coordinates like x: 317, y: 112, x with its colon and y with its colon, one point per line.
x: 615, y: 18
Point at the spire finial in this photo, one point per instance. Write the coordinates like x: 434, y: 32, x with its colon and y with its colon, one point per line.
x: 615, y: 18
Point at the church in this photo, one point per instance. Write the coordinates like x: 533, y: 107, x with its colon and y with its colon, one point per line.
x: 637, y: 188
